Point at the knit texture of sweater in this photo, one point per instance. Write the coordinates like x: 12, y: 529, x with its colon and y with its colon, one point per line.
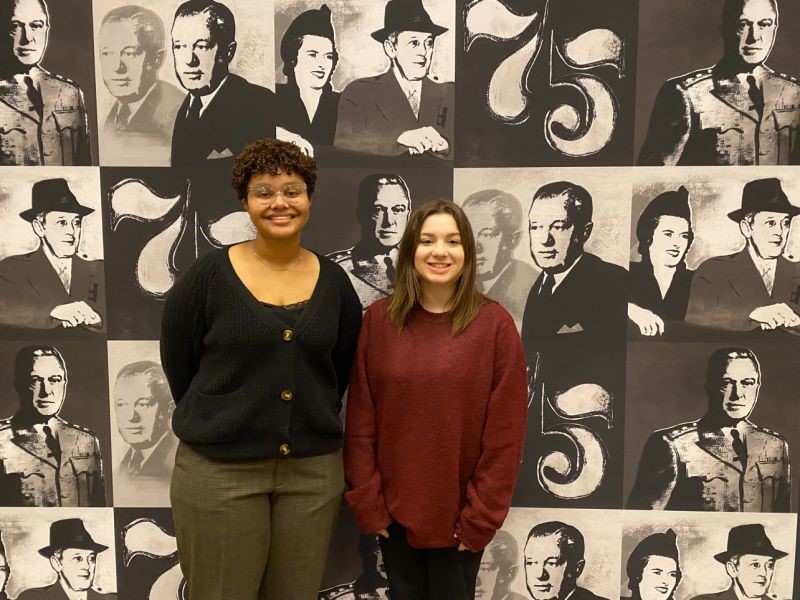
x: 247, y: 386
x: 435, y: 425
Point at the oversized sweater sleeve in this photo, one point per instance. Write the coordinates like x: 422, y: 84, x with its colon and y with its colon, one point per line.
x: 490, y: 489
x: 365, y: 489
x: 183, y: 326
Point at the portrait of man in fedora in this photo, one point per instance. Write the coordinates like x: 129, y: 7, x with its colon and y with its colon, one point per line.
x: 723, y: 461
x: 54, y: 286
x: 403, y: 110
x: 757, y: 287
x: 43, y: 118
x: 749, y: 562
x: 73, y: 556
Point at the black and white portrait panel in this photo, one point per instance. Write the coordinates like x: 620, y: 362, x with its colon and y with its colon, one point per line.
x: 573, y: 320
x: 54, y: 434
x: 722, y: 439
x: 51, y: 253
x: 225, y: 71
x: 687, y: 556
x: 358, y: 217
x: 355, y: 566
x: 552, y: 554
x: 142, y: 443
x: 147, y: 555
x: 47, y: 107
x: 546, y: 83
x: 714, y: 252
x: 58, y: 553
x: 722, y: 92
x: 142, y: 80
x: 373, y: 78
x: 159, y: 221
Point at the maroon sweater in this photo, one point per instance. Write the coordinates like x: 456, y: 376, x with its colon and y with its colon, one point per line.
x: 435, y: 425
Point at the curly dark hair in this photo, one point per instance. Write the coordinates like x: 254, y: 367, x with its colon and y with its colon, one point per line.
x: 271, y: 157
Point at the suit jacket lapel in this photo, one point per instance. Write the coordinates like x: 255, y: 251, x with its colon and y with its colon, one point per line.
x: 32, y: 443
x: 735, y: 94
x: 43, y: 273
x: 714, y: 442
x: 394, y: 95
x: 750, y: 284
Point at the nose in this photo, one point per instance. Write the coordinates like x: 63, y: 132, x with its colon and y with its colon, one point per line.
x: 45, y: 389
x: 478, y: 246
x: 121, y: 68
x: 735, y: 391
x: 385, y: 218
x: 543, y: 575
x: 25, y: 37
x: 751, y: 33
x: 193, y: 59
x: 134, y: 416
x: 440, y: 249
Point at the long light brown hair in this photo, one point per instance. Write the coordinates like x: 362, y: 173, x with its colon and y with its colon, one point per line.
x: 467, y: 300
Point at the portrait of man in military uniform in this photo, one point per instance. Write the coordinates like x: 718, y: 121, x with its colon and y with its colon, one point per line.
x: 738, y: 112
x: 403, y: 110
x: 42, y: 115
x: 749, y: 561
x: 722, y: 461
x: 45, y: 460
x: 496, y: 219
x: 55, y: 286
x: 72, y: 554
x: 384, y: 205
x: 757, y: 287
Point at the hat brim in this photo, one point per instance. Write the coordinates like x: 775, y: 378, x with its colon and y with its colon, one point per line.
x: 381, y: 34
x: 30, y: 214
x: 738, y: 214
x: 48, y: 551
x: 724, y: 557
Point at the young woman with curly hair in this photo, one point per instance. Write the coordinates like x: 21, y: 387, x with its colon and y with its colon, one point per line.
x: 257, y: 342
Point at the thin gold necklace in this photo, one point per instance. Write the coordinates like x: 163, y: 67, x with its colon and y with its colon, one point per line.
x: 269, y: 266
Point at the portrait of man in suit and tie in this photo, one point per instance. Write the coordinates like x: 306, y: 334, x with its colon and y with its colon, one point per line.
x: 496, y: 219
x: 499, y: 565
x: 757, y: 287
x: 54, y: 286
x: 384, y: 205
x: 42, y: 115
x: 554, y: 561
x: 45, y: 460
x: 403, y: 110
x: 72, y: 554
x: 723, y: 461
x: 143, y: 408
x: 138, y: 128
x: 222, y: 111
x: 749, y: 561
x: 738, y: 112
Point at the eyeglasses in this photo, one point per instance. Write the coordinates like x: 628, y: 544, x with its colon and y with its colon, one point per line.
x: 266, y: 193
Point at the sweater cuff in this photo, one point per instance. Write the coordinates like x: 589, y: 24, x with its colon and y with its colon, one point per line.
x: 473, y: 538
x: 371, y: 513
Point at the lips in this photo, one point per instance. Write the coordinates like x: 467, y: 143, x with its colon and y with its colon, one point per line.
x: 318, y: 74
x: 674, y: 253
x: 548, y: 254
x: 193, y: 75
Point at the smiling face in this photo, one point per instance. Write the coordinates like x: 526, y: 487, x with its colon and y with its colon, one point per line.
x: 314, y: 62
x: 285, y: 214
x: 411, y: 53
x: 670, y: 241
x: 753, y: 33
x: 28, y: 31
x: 659, y: 578
x: 439, y: 257
x: 751, y: 574
x: 128, y: 71
x: 76, y: 566
x: 60, y: 231
x: 767, y: 233
x: 201, y: 62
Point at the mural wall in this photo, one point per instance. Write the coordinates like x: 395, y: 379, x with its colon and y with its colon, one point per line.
x: 630, y: 171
